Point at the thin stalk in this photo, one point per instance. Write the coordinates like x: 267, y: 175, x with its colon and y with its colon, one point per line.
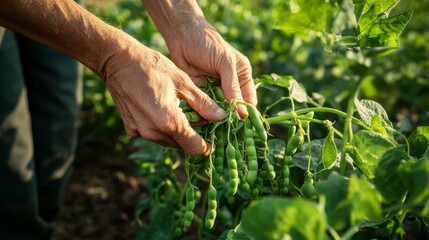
x: 290, y: 115
x: 348, y: 131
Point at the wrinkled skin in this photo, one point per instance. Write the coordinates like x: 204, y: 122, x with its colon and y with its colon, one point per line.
x: 148, y: 93
x: 204, y: 52
x: 146, y: 86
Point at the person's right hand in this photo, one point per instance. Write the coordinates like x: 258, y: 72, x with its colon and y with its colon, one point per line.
x: 147, y: 88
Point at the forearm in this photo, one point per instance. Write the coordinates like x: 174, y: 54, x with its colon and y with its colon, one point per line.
x: 67, y: 27
x: 174, y: 17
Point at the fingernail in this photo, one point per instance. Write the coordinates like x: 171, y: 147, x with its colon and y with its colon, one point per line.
x: 242, y: 111
x: 220, y: 113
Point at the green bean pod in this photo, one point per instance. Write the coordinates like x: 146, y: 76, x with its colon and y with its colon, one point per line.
x: 219, y: 150
x: 233, y: 170
x: 255, y: 118
x: 211, y: 207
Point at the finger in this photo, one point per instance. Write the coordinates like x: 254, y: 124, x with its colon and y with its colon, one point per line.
x: 231, y: 86
x: 162, y: 139
x: 247, y: 86
x: 188, y: 138
x: 201, y: 102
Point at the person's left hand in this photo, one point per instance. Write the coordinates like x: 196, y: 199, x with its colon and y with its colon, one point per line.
x: 200, y: 50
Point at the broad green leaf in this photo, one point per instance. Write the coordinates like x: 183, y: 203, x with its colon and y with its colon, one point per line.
x: 419, y: 145
x: 268, y: 81
x: 377, y: 125
x: 297, y: 92
x: 387, y: 177
x: 374, y: 26
x: 423, y: 130
x: 366, y: 203
x: 281, y: 218
x: 380, y: 6
x: 335, y: 190
x: 369, y: 147
x: 276, y: 148
x: 415, y: 174
x: 162, y: 224
x: 349, y: 200
x: 419, y: 142
x: 303, y: 16
x: 233, y: 235
x: 367, y: 109
x: 329, y: 151
x: 300, y: 159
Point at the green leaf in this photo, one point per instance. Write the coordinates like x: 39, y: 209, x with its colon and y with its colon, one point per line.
x: 419, y: 142
x: 365, y: 201
x: 233, y: 235
x: 329, y: 151
x: 387, y: 178
x: 268, y: 81
x: 374, y: 26
x: 368, y: 148
x: 281, y: 218
x: 377, y: 125
x: 300, y: 159
x: 297, y: 91
x: 276, y: 148
x: 349, y: 201
x: 416, y: 177
x: 162, y: 224
x: 368, y: 109
x: 303, y: 16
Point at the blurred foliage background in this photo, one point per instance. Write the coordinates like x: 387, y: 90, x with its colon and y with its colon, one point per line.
x: 399, y: 81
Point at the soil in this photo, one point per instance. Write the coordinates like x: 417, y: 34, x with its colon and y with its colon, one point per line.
x: 100, y: 198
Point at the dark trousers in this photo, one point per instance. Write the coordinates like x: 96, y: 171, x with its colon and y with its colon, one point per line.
x: 38, y: 117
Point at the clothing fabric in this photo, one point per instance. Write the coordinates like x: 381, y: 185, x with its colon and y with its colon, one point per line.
x: 2, y: 30
x: 39, y: 92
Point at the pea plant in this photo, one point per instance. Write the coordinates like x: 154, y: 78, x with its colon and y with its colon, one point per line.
x: 364, y: 181
x: 295, y: 168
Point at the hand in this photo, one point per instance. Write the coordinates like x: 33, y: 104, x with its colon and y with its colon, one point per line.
x: 200, y: 50
x: 146, y: 87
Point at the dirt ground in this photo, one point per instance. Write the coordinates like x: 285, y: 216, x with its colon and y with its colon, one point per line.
x: 100, y: 198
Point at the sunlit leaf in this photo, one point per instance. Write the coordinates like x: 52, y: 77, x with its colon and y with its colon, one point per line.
x: 302, y: 16
x: 367, y: 109
x: 349, y: 200
x: 270, y: 81
x: 369, y: 147
x: 297, y: 92
x: 278, y: 218
x: 329, y: 151
x: 374, y: 26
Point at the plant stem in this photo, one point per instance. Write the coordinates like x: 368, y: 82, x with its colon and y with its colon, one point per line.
x: 290, y: 115
x: 348, y: 131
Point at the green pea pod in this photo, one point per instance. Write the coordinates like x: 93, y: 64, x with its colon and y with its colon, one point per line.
x: 295, y: 142
x: 257, y: 123
x: 230, y: 152
x: 290, y: 133
x: 219, y: 94
x: 193, y: 116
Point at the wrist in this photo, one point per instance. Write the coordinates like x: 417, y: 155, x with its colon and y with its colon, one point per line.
x: 173, y: 18
x: 114, y: 53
